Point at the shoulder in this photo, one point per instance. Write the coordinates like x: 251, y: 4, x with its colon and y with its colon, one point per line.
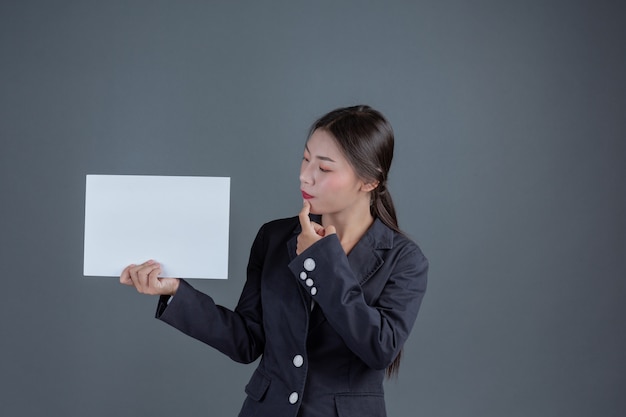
x: 279, y: 229
x: 272, y: 235
x: 280, y: 226
x: 402, y: 241
x: 409, y: 262
x: 380, y: 236
x: 397, y: 246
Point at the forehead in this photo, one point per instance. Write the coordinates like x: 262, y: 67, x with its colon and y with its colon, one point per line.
x: 322, y: 143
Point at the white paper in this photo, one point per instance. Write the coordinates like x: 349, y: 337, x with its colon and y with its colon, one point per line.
x: 180, y: 222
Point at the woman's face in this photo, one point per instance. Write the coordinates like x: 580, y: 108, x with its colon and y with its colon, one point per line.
x: 327, y: 180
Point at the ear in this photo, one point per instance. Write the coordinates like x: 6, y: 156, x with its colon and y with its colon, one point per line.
x: 369, y: 186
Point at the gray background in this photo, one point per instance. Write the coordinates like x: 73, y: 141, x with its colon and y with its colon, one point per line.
x: 509, y: 172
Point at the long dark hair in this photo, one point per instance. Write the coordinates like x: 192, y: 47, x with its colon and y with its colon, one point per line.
x: 366, y: 139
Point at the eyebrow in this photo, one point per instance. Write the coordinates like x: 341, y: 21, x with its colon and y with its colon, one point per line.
x: 323, y: 158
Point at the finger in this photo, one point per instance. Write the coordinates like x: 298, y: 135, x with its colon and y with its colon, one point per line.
x: 330, y: 230
x: 305, y: 222
x: 147, y: 274
x: 132, y: 274
x: 140, y: 275
x: 136, y: 268
x: 125, y: 275
x: 318, y: 228
x: 154, y: 283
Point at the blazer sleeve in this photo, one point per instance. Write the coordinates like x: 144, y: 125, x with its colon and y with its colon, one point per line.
x: 377, y: 332
x: 238, y: 334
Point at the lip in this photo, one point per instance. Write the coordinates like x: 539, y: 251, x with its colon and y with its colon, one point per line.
x: 306, y: 196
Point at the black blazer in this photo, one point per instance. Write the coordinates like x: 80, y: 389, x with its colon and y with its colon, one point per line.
x: 326, y: 324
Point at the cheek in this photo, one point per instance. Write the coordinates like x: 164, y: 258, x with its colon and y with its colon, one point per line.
x: 337, y: 186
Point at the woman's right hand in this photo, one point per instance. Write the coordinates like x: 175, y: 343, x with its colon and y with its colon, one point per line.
x: 145, y: 279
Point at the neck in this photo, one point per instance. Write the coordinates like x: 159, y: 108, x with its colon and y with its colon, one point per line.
x: 350, y: 226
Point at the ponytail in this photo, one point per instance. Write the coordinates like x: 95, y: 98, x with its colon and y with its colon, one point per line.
x: 382, y: 208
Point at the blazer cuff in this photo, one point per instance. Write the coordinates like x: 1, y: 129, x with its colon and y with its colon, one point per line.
x: 165, y: 300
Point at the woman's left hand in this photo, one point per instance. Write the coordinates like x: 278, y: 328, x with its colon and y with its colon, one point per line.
x: 311, y: 231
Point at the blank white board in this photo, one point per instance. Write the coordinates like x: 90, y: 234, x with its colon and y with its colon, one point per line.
x: 180, y: 222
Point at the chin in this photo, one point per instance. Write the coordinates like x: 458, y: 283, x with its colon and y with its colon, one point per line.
x: 314, y: 210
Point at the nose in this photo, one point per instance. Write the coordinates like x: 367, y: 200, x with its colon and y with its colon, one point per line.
x: 306, y: 176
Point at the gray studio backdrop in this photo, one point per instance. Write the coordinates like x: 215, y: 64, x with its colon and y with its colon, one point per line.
x: 509, y: 172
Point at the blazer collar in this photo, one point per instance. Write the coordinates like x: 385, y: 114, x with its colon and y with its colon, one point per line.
x: 364, y: 258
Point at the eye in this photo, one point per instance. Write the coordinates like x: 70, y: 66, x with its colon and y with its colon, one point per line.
x: 324, y: 169
x: 304, y: 158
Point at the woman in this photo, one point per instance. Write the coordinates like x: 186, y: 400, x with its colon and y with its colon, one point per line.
x: 331, y: 295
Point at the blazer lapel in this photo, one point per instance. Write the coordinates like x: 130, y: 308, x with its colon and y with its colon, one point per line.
x: 365, y: 258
